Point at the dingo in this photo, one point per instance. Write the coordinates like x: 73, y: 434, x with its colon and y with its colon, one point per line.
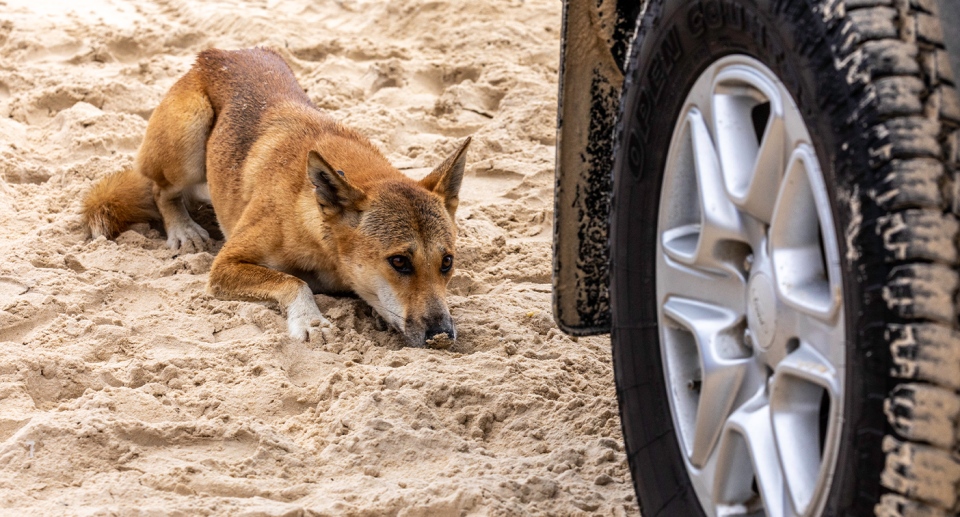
x: 305, y: 204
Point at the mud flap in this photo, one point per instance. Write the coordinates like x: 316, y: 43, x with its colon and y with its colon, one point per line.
x: 596, y: 34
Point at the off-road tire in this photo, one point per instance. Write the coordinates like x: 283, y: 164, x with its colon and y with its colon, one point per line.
x: 872, y: 80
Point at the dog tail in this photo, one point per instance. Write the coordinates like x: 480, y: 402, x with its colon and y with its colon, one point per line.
x: 118, y: 201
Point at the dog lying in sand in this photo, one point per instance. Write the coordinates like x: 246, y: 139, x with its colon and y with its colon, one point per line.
x: 306, y: 205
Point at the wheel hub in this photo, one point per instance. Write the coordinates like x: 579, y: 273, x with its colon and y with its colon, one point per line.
x: 752, y: 336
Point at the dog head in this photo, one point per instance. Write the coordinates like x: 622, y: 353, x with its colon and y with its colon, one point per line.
x: 396, y: 243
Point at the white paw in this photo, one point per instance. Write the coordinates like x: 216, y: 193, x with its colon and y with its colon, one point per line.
x: 304, y: 320
x: 189, y: 237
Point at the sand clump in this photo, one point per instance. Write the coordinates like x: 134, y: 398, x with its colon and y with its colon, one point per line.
x: 126, y: 390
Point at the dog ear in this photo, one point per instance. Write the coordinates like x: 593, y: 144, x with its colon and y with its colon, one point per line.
x: 334, y: 192
x: 445, y: 180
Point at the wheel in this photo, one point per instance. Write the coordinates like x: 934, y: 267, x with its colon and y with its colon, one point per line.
x: 784, y: 262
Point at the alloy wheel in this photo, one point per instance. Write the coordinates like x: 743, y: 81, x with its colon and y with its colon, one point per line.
x: 749, y: 297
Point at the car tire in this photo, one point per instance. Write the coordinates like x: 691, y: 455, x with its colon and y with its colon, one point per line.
x: 872, y: 84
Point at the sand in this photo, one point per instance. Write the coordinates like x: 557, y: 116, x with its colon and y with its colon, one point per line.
x: 126, y: 390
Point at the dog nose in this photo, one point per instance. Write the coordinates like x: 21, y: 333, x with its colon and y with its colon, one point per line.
x: 436, y: 331
x: 441, y: 335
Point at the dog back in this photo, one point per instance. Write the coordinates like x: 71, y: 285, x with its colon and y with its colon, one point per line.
x: 243, y: 86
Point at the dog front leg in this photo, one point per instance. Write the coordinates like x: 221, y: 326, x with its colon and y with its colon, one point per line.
x: 232, y: 277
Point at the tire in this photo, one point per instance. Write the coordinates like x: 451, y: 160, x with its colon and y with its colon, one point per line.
x: 871, y: 82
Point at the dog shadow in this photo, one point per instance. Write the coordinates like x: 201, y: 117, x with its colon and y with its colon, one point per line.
x: 204, y: 215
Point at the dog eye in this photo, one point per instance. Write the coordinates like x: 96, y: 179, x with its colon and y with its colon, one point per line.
x: 401, y: 264
x: 446, y: 264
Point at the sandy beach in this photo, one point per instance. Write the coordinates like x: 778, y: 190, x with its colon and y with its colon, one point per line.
x: 127, y: 390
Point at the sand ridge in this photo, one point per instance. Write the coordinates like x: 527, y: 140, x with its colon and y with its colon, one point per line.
x: 126, y: 390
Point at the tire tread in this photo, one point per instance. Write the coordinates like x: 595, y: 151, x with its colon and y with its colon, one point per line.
x: 895, y: 505
x: 898, y: 53
x: 925, y: 352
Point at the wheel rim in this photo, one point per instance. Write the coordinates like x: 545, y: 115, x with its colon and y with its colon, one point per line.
x: 749, y: 297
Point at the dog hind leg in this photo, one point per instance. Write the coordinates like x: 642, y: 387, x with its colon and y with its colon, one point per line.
x: 173, y: 155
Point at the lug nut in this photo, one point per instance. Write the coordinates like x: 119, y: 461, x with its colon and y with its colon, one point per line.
x: 748, y: 262
x: 747, y: 338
